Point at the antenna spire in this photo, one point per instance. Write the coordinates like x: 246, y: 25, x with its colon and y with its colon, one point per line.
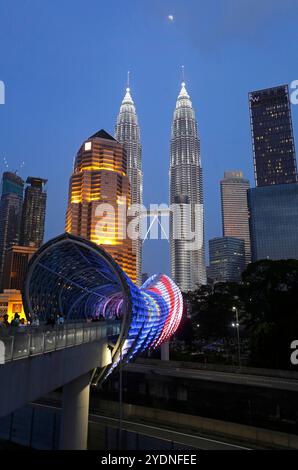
x: 128, y: 81
x: 182, y: 74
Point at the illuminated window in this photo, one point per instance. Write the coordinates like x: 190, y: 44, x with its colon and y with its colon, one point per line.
x: 87, y: 145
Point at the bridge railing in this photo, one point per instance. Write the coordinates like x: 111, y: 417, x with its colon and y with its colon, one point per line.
x: 20, y: 343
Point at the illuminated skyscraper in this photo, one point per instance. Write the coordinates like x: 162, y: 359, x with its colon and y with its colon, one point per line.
x: 98, y: 190
x: 34, y: 211
x: 127, y: 132
x: 186, y: 193
x: 233, y: 189
x: 10, y: 214
x: 272, y: 136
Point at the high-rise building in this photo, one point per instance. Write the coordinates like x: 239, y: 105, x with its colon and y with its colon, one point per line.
x: 15, y: 266
x: 10, y: 214
x: 127, y: 132
x: 186, y: 193
x: 233, y: 190
x: 34, y: 210
x: 98, y: 189
x: 227, y: 259
x: 274, y: 221
x: 272, y: 136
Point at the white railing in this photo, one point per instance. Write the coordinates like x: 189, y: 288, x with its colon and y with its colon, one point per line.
x: 21, y: 342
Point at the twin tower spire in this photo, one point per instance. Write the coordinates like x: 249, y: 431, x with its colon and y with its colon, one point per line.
x: 187, y: 259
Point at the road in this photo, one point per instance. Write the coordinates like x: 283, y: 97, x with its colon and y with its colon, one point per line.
x: 276, y: 383
x: 191, y: 440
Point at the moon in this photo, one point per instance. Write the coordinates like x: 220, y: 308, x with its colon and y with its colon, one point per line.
x: 170, y: 17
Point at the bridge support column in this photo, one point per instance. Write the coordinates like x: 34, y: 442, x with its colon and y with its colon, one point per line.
x: 75, y: 411
x: 165, y: 351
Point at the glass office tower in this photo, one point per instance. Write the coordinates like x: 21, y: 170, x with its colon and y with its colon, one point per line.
x: 10, y: 214
x: 227, y: 259
x: 274, y: 221
x: 272, y: 136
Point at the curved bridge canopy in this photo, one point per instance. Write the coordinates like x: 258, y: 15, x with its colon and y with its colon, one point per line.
x: 74, y: 278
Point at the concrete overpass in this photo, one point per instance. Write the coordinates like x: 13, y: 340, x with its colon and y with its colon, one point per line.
x: 40, y: 360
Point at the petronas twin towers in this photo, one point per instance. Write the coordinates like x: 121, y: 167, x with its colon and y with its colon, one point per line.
x: 186, y: 191
x: 127, y: 132
x: 186, y: 196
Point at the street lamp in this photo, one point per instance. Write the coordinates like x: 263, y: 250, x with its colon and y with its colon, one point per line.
x: 120, y: 399
x: 236, y: 325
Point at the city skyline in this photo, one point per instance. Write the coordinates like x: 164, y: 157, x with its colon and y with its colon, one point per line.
x: 219, y: 92
x: 134, y: 151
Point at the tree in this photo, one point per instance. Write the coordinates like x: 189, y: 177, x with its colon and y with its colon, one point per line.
x: 212, y: 309
x: 269, y: 293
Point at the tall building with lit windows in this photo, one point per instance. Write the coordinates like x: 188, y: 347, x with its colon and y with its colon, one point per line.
x: 186, y: 195
x: 234, y: 208
x: 34, y: 211
x: 10, y: 214
x: 127, y: 132
x: 272, y: 136
x: 98, y: 191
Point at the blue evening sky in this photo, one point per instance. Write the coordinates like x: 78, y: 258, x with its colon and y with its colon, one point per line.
x: 64, y: 64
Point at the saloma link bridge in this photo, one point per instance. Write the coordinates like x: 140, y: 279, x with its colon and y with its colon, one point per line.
x: 77, y: 279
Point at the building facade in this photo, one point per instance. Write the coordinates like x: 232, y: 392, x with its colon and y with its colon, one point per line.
x: 98, y: 189
x: 273, y: 221
x: 11, y: 303
x: 15, y: 266
x: 34, y: 210
x: 272, y: 136
x: 10, y: 214
x: 226, y: 259
x: 187, y: 254
x: 127, y: 132
x: 234, y: 208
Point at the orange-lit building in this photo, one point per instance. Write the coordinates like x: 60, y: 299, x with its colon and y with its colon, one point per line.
x: 11, y: 303
x: 100, y: 177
